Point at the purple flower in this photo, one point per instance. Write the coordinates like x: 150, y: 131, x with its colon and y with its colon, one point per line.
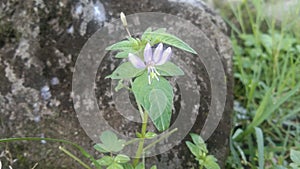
x: 151, y: 60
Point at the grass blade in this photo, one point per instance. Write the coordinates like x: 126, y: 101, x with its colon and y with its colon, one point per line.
x: 266, y: 109
x: 260, y: 145
x: 74, y: 157
x: 81, y: 149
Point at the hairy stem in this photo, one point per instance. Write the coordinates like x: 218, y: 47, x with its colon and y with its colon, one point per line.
x: 142, y: 140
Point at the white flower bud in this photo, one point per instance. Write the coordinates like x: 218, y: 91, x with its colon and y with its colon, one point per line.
x: 123, y: 19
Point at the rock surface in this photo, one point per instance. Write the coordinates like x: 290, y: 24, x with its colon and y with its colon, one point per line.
x: 39, y: 43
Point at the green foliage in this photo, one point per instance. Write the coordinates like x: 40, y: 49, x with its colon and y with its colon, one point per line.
x: 105, y: 161
x: 150, y: 135
x: 267, y: 84
x: 162, y: 36
x: 140, y: 166
x: 126, y: 71
x: 169, y: 69
x: 153, y: 167
x: 295, y: 157
x: 260, y: 145
x: 156, y: 98
x: 136, y: 45
x: 110, y: 143
x: 153, y: 97
x: 114, y: 162
x: 122, y: 159
x: 199, y: 150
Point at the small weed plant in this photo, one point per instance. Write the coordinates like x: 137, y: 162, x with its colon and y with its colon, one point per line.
x: 146, y: 63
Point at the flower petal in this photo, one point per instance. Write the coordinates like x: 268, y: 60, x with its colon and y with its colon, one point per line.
x: 158, y: 53
x: 136, y: 61
x: 165, y: 56
x: 148, y: 53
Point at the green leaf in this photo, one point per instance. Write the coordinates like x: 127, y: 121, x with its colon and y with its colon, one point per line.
x: 153, y: 167
x: 145, y: 36
x: 108, y: 136
x: 194, y: 149
x: 158, y: 103
x: 298, y: 48
x: 123, y: 54
x: 125, y: 71
x: 295, y: 156
x: 115, y: 166
x: 122, y: 45
x: 101, y: 148
x: 197, y: 139
x: 169, y: 69
x: 140, y: 166
x: 168, y: 39
x: 127, y: 166
x: 111, y: 142
x: 260, y: 145
x: 150, y: 135
x: 249, y: 40
x: 211, y: 162
x: 267, y: 42
x: 139, y: 135
x: 294, y: 166
x: 121, y: 158
x: 105, y: 161
x: 146, y: 93
x: 199, y: 142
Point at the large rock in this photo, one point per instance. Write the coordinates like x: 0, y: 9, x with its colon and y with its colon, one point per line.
x: 39, y: 43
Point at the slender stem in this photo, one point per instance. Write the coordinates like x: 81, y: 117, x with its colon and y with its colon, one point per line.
x: 74, y: 157
x: 160, y: 139
x: 141, y: 111
x: 127, y: 30
x: 35, y: 165
x: 131, y: 141
x: 143, y: 160
x: 142, y: 140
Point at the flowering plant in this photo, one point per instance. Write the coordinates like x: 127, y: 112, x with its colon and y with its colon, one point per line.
x: 147, y: 61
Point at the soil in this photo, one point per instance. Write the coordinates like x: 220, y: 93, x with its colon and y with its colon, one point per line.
x: 39, y: 44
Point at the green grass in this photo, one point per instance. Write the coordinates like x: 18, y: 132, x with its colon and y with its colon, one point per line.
x: 267, y: 81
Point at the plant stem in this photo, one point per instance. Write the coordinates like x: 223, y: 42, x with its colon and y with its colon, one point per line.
x: 141, y: 111
x: 74, y: 157
x: 131, y: 141
x: 127, y: 30
x: 161, y: 138
x: 142, y: 140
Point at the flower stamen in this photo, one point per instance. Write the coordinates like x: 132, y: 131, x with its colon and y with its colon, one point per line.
x: 152, y: 73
